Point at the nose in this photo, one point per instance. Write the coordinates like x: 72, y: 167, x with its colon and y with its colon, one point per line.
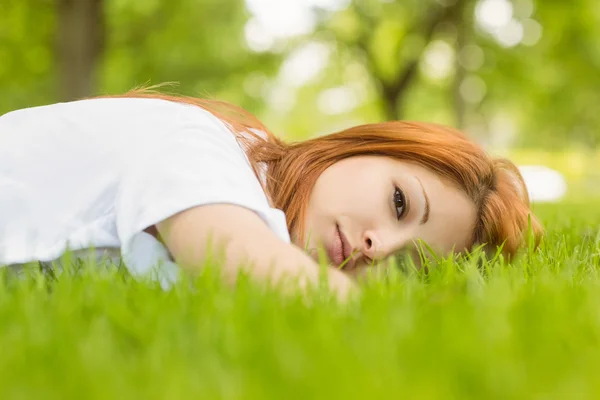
x: 375, y: 249
x: 372, y: 247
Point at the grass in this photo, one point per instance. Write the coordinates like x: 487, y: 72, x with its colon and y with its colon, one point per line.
x: 520, y: 331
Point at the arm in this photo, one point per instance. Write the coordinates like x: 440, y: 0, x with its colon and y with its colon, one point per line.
x: 245, y: 238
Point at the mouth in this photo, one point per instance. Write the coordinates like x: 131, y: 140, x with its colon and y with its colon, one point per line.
x: 340, y: 251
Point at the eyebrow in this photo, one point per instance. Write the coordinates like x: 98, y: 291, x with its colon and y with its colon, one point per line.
x: 425, y: 217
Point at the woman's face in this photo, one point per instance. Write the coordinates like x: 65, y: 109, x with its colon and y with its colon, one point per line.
x: 372, y: 207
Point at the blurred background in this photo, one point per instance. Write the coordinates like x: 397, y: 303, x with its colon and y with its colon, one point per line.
x: 522, y: 77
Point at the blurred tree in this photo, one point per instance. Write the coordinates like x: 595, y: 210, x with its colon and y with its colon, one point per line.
x: 510, y: 72
x: 53, y: 50
x: 197, y: 43
x: 79, y: 44
x: 377, y: 53
x: 550, y: 81
x: 384, y: 29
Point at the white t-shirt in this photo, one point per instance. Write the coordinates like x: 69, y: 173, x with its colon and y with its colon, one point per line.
x: 96, y: 173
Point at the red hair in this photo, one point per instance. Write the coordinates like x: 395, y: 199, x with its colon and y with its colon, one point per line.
x: 494, y: 185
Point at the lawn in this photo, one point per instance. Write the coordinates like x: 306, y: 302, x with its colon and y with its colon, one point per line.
x: 526, y: 330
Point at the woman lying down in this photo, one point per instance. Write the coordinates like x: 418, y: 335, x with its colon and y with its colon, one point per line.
x: 165, y: 180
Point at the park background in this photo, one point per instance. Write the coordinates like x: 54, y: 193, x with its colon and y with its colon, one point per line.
x: 519, y: 76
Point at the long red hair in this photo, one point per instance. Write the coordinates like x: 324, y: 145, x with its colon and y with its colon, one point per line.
x: 494, y: 185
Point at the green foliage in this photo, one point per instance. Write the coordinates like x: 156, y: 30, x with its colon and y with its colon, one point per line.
x: 551, y: 87
x: 519, y: 330
x: 27, y: 64
x: 547, y: 89
x: 198, y: 44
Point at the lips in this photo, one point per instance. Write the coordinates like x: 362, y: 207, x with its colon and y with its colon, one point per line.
x: 340, y: 250
x: 336, y: 248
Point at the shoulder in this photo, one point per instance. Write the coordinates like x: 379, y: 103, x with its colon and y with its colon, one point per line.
x: 130, y: 107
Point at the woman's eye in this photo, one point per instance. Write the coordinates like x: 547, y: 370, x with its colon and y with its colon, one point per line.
x: 399, y: 203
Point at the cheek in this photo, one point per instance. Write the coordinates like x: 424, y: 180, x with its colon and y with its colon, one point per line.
x: 453, y: 225
x: 328, y: 192
x: 318, y: 214
x: 355, y: 202
x: 353, y: 190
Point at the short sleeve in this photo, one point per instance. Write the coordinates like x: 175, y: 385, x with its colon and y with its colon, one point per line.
x: 199, y: 163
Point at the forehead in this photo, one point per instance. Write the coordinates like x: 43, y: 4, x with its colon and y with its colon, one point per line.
x: 452, y: 213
